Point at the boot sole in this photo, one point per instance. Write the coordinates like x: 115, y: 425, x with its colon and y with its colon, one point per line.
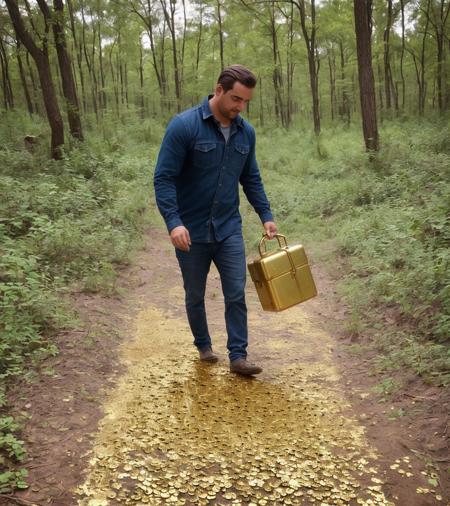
x: 246, y: 373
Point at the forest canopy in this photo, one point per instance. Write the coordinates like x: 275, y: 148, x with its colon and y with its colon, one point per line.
x: 157, y: 57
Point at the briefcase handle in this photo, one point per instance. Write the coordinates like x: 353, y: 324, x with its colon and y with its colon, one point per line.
x: 265, y: 238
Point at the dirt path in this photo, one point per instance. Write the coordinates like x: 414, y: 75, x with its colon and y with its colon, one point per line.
x: 174, y: 431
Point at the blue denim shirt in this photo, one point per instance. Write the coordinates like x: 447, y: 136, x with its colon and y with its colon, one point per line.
x: 197, y: 175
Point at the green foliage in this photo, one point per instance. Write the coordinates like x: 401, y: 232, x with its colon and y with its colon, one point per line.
x: 63, y: 226
x: 12, y: 452
x: 386, y: 223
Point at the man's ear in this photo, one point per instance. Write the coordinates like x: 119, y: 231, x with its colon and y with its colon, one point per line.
x: 219, y: 89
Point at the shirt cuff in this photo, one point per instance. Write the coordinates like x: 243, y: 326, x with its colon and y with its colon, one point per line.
x: 172, y: 223
x: 266, y: 216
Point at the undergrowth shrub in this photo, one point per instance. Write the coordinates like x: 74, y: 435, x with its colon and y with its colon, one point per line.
x: 63, y: 226
x: 385, y: 219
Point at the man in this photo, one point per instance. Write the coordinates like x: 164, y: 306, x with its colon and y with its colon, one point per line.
x: 205, y: 153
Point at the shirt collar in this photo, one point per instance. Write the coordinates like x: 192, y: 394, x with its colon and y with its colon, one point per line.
x: 207, y: 113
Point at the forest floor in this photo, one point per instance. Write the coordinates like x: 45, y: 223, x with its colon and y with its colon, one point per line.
x: 126, y: 414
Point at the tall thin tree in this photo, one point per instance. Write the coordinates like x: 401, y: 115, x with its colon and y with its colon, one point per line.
x: 41, y: 58
x: 363, y: 29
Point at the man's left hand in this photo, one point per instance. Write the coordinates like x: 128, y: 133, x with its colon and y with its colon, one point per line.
x: 270, y: 229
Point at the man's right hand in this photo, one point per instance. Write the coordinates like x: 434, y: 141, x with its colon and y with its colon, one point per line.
x: 180, y: 238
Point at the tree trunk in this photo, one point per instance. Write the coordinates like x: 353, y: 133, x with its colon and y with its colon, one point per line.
x: 40, y: 56
x: 199, y: 41
x: 88, y: 62
x: 197, y: 51
x: 363, y: 13
x: 332, y: 74
x: 170, y: 19
x: 402, y: 54
x: 162, y: 62
x: 102, y: 95
x: 23, y: 80
x: 141, y: 80
x: 380, y: 87
x: 386, y: 59
x: 310, y: 41
x: 219, y: 20
x: 440, y: 31
x: 261, y: 105
x: 114, y: 79
x: 345, y: 107
x: 33, y: 84
x: 65, y: 66
x: 79, y: 54
x: 276, y: 74
x: 290, y: 66
x: 147, y: 17
x: 4, y: 85
x: 121, y: 79
x: 183, y: 44
x: 127, y: 99
x: 7, y: 89
x: 423, y: 88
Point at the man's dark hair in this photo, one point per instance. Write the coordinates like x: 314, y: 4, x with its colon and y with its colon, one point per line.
x: 235, y: 73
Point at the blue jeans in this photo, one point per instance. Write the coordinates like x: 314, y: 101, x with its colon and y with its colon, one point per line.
x: 229, y: 258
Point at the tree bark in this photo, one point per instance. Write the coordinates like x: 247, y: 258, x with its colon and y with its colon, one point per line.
x: 219, y: 21
x: 41, y: 59
x: 89, y: 63
x: 332, y: 75
x: 79, y: 54
x: 363, y: 13
x: 141, y: 80
x: 386, y: 58
x: 33, y: 84
x: 144, y: 10
x: 102, y: 94
x: 380, y: 87
x: 290, y: 66
x: 65, y: 67
x: 313, y: 64
x: 402, y: 54
x: 422, y: 89
x: 7, y: 89
x: 277, y: 79
x: 261, y: 105
x: 345, y: 107
x: 439, y: 24
x: 23, y: 80
x: 170, y: 19
x: 199, y: 41
x: 114, y: 79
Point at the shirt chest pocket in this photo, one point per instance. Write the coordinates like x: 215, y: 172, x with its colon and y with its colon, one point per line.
x: 205, y: 156
x: 239, y: 155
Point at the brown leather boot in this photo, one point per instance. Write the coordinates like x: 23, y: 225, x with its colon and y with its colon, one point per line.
x: 241, y: 366
x: 208, y: 356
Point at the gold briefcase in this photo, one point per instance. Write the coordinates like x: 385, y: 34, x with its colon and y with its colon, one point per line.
x: 282, y: 276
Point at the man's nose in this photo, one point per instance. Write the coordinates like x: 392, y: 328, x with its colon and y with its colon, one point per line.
x: 242, y: 105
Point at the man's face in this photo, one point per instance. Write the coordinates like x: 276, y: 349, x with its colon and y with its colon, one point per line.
x: 230, y: 103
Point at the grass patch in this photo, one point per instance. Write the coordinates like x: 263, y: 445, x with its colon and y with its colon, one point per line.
x: 64, y: 226
x: 380, y: 226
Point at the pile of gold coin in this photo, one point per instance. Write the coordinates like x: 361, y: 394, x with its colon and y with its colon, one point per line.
x: 180, y: 432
